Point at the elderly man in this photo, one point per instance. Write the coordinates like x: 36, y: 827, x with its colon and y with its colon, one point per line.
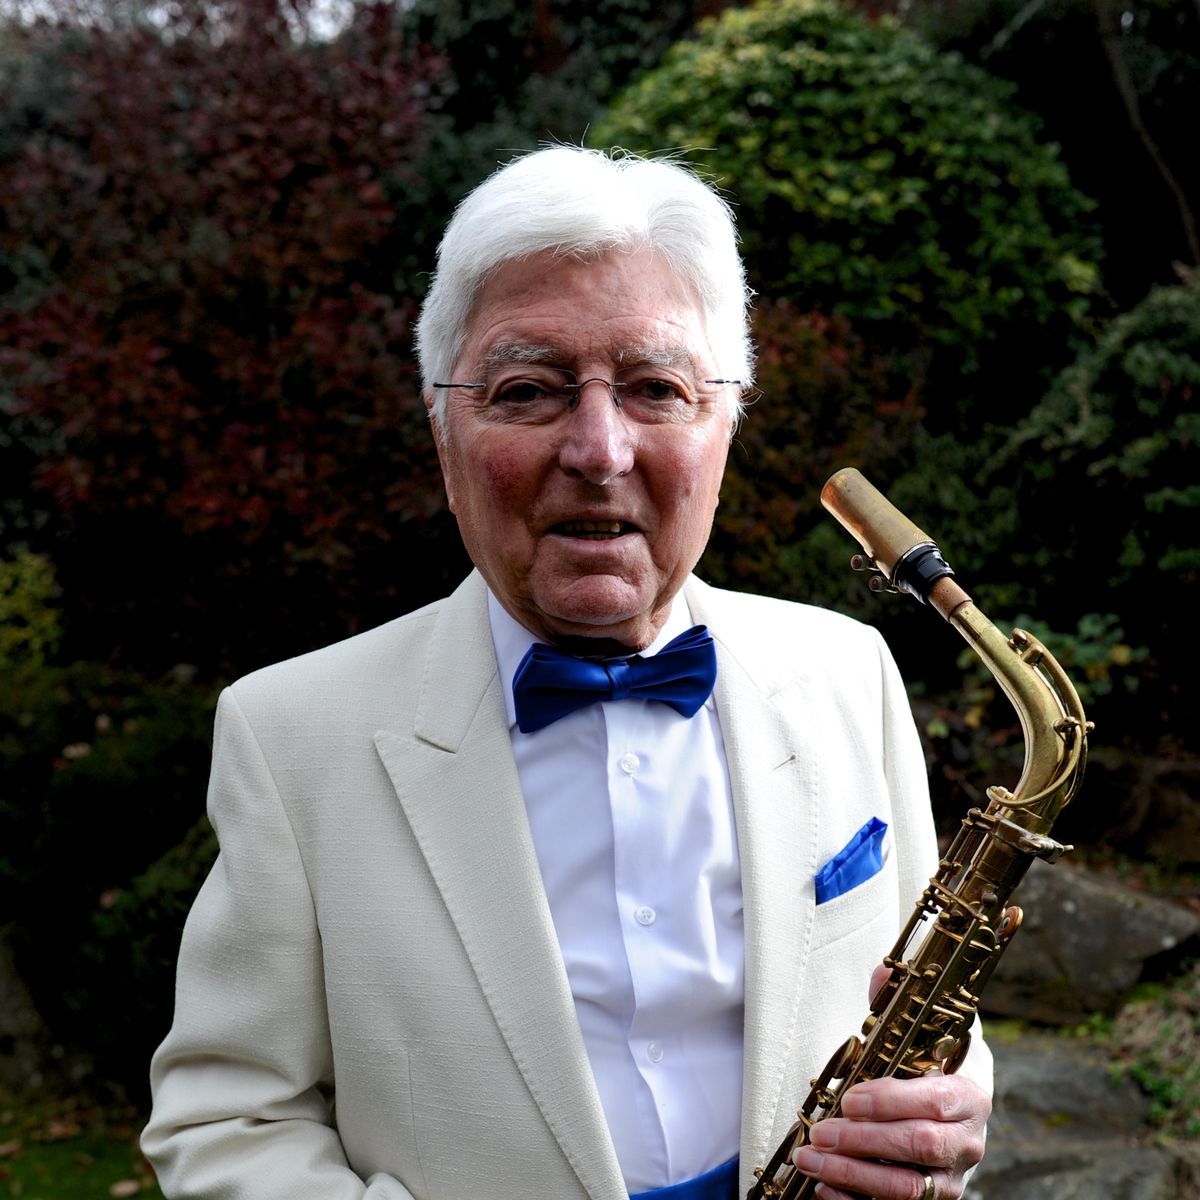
x: 513, y: 901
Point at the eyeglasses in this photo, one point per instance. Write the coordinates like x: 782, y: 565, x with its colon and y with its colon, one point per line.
x: 646, y: 392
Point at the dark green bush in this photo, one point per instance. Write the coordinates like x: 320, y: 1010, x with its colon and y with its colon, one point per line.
x: 132, y: 946
x: 101, y: 772
x: 1082, y: 527
x: 1108, y: 81
x: 879, y: 178
x: 1106, y: 466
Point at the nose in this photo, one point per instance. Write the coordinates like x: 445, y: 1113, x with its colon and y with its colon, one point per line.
x: 598, y: 444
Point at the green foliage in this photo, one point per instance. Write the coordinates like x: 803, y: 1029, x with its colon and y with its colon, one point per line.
x: 1079, y: 524
x: 1062, y: 57
x: 518, y: 76
x: 29, y: 625
x: 1157, y: 1044
x: 1106, y: 464
x: 1096, y: 656
x: 544, y: 70
x: 134, y: 939
x: 100, y: 772
x: 884, y: 180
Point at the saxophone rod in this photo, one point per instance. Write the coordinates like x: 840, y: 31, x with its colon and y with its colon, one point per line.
x: 904, y: 554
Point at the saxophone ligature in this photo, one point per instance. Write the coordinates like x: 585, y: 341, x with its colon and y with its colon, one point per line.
x: 919, y: 1021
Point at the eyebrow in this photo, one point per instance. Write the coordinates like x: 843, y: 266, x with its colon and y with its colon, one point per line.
x: 507, y: 353
x: 659, y: 356
x: 504, y: 353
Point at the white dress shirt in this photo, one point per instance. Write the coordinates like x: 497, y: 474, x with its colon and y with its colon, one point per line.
x: 632, y: 819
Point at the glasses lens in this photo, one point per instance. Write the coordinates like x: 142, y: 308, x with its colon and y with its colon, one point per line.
x: 522, y: 392
x: 653, y: 393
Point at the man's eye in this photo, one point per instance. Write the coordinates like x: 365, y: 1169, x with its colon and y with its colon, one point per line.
x: 660, y: 389
x: 653, y: 389
x: 522, y: 391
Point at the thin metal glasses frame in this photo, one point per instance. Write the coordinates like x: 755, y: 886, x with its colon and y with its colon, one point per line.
x: 575, y: 387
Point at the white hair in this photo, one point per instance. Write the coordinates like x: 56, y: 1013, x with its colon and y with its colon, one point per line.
x: 584, y: 203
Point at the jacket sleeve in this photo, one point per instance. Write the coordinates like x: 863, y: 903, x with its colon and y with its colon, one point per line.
x: 243, y: 1083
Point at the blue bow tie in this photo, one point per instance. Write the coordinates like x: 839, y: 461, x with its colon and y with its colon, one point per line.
x: 550, y: 684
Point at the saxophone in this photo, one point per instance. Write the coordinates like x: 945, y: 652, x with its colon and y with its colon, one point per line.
x: 920, y: 1020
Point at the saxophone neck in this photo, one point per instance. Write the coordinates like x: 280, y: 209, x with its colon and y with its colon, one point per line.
x: 905, y: 558
x: 1051, y: 714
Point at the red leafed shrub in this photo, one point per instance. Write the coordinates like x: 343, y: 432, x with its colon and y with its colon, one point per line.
x: 211, y: 233
x: 825, y: 401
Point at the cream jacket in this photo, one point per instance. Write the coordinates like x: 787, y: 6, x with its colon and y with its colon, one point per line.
x: 371, y: 1002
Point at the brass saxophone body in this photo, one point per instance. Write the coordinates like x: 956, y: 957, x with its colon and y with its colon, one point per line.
x: 920, y: 1020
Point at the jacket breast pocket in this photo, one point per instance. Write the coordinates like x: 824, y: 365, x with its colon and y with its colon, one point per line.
x: 866, y: 913
x: 856, y: 862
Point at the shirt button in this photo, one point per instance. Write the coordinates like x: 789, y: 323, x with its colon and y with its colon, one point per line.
x: 645, y: 915
x: 654, y: 1052
x: 629, y: 763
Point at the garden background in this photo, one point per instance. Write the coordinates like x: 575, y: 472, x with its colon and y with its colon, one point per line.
x: 972, y: 226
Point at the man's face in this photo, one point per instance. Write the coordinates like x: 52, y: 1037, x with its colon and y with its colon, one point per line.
x: 586, y: 519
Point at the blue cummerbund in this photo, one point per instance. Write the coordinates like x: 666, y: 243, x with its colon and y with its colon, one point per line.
x: 718, y: 1184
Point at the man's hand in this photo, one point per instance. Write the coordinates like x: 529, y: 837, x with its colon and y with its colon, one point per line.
x: 934, y: 1126
x: 931, y: 1127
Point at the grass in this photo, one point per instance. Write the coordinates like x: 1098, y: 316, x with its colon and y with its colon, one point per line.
x: 62, y: 1148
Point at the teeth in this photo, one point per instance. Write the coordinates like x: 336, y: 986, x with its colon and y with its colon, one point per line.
x: 592, y: 526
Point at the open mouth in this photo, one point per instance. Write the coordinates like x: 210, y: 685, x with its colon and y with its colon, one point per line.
x: 593, y: 530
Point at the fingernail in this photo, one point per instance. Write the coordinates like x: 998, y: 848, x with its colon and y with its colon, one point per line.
x: 857, y: 1105
x: 808, y: 1161
x: 825, y: 1135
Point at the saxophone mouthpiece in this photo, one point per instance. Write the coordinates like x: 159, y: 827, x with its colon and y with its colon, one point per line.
x: 904, y: 554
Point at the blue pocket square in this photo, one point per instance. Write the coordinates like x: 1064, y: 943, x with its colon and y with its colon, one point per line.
x: 855, y: 863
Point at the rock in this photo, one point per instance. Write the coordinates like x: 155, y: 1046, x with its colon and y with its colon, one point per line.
x: 1148, y: 806
x: 1171, y: 832
x: 1063, y: 1129
x: 1086, y: 939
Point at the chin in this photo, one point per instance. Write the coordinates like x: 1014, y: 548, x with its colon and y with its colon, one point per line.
x: 622, y: 629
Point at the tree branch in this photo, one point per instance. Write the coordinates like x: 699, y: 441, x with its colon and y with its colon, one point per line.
x: 1108, y: 18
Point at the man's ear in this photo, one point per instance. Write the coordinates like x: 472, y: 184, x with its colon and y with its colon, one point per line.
x: 439, y: 442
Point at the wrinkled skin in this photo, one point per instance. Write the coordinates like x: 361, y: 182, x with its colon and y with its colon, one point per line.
x: 515, y: 486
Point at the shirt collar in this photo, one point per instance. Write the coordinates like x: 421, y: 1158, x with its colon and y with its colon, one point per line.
x: 511, y: 640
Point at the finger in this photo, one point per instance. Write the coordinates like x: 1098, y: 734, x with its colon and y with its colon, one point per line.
x: 932, y: 1098
x: 825, y: 1191
x: 879, y: 977
x: 952, y: 1147
x: 854, y: 1177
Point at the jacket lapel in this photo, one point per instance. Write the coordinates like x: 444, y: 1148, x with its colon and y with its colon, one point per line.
x: 773, y: 775
x: 456, y: 780
x: 457, y: 783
